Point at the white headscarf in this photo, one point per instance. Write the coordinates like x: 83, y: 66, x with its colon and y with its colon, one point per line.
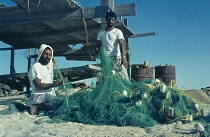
x: 41, y: 49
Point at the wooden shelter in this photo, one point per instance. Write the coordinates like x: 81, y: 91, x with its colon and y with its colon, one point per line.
x: 59, y: 23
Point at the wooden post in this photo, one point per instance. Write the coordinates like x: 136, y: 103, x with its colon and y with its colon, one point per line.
x: 110, y: 3
x: 29, y: 59
x: 12, y: 68
x: 127, y: 48
x: 29, y: 65
x: 36, y: 53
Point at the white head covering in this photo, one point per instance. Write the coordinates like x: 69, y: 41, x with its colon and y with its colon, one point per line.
x: 41, y: 49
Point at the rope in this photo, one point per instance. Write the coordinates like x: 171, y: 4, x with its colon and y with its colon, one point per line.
x: 70, y: 1
x: 28, y: 5
x: 66, y: 90
x: 86, y: 32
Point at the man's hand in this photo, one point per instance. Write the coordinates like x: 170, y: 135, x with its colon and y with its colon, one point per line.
x: 54, y: 62
x: 59, y: 81
x: 124, y: 62
x: 43, y: 86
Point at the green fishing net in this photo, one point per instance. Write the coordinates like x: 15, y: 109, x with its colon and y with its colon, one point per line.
x: 114, y: 100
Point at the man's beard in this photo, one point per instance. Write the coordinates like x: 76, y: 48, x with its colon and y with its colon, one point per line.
x: 110, y: 24
x: 44, y: 61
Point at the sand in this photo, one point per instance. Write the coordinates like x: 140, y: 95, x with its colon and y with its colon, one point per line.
x: 21, y: 124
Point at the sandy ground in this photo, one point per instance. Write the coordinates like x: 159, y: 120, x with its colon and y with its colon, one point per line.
x: 25, y: 125
x: 22, y: 124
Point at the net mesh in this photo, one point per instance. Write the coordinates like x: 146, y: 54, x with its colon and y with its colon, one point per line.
x: 114, y: 100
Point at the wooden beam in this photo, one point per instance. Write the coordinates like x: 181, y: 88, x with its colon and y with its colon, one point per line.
x: 26, y: 44
x: 55, y: 4
x: 142, y: 35
x: 37, y: 16
x: 21, y: 16
x: 3, y: 5
x: 80, y: 58
x: 79, y: 78
x: 2, y: 49
x: 46, y: 4
x: 76, y: 69
x: 26, y: 35
x: 126, y: 31
x: 78, y: 73
x: 82, y: 51
x: 12, y: 10
x: 94, y: 67
x: 109, y: 3
x: 36, y: 39
x: 21, y: 3
x: 125, y: 9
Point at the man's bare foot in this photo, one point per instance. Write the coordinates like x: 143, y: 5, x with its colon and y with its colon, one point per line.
x: 33, y: 109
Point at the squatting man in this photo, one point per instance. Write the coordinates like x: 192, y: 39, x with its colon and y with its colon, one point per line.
x: 41, y: 79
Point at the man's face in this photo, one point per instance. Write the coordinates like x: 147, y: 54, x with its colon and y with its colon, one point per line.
x: 110, y: 21
x: 46, y: 56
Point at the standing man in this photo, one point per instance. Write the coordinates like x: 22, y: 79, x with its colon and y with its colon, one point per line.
x: 111, y: 39
x: 41, y: 79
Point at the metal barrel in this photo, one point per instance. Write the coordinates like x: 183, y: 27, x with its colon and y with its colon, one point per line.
x: 139, y: 72
x: 166, y: 73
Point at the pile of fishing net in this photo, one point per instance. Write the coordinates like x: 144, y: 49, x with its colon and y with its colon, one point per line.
x: 112, y: 100
x: 115, y: 101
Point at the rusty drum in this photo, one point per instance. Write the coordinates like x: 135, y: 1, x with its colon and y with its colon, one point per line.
x: 139, y: 72
x: 167, y: 74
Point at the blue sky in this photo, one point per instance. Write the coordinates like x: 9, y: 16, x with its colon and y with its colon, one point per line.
x: 182, y: 39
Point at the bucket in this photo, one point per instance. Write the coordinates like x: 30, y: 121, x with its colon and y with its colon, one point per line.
x: 139, y: 72
x: 167, y: 74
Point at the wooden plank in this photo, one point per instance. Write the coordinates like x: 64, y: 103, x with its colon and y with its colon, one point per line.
x: 46, y: 4
x: 34, y: 40
x: 23, y: 4
x: 94, y: 67
x: 79, y: 78
x: 22, y: 44
x: 60, y: 14
x: 142, y: 35
x: 120, y: 9
x: 91, y: 12
x: 16, y: 75
x: 110, y: 3
x: 126, y: 31
x: 15, y: 15
x: 12, y: 99
x: 63, y: 4
x: 27, y: 35
x: 11, y: 10
x: 82, y: 51
x: 73, y: 69
x: 38, y: 16
x: 125, y: 9
x: 80, y: 58
x: 61, y: 48
x: 2, y: 49
x: 74, y: 74
x: 3, y: 5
